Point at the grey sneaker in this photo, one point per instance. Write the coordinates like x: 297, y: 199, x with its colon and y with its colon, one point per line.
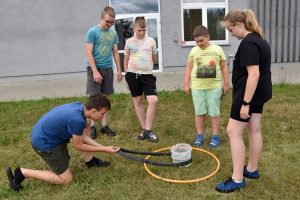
x: 148, y: 134
x: 93, y: 132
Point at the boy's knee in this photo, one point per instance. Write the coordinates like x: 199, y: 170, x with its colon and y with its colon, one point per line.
x: 66, y: 177
x: 67, y: 180
x: 153, y: 100
x: 138, y: 102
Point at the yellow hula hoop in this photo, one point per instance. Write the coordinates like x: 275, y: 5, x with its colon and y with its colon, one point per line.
x: 185, y: 181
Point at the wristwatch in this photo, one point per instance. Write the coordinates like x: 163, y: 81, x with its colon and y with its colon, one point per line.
x: 245, y: 103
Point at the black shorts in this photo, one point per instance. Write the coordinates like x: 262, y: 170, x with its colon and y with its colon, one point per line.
x: 235, y: 111
x: 140, y: 84
x: 107, y: 85
x: 57, y: 158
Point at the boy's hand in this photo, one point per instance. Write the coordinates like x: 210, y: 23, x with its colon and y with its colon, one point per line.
x: 119, y: 78
x: 187, y: 89
x: 97, y: 77
x: 225, y: 89
x: 112, y: 149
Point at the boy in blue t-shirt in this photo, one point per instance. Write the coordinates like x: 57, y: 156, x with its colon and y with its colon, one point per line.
x: 52, y: 132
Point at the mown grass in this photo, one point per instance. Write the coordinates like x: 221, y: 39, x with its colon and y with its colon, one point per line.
x: 174, y: 123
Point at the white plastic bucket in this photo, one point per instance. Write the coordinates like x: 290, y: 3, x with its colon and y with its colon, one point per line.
x: 181, y: 152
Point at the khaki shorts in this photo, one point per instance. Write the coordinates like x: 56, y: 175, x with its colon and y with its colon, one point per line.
x: 57, y: 159
x: 207, y: 101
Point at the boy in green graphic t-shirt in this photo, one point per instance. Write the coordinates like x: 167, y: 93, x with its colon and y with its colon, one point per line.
x: 205, y: 69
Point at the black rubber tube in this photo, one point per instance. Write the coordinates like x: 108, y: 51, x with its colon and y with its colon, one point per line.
x: 146, y: 152
x: 127, y: 154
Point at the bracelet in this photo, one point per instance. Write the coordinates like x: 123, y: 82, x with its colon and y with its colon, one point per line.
x: 245, y: 103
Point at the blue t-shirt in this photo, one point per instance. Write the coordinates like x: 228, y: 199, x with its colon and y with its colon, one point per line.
x: 58, y: 125
x: 103, y: 42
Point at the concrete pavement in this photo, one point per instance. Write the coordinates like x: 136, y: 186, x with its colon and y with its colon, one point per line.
x: 75, y: 86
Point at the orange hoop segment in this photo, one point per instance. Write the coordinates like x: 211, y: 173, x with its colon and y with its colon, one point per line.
x: 185, y: 181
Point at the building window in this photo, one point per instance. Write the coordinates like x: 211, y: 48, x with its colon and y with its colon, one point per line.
x: 134, y: 6
x: 126, y: 12
x: 209, y: 13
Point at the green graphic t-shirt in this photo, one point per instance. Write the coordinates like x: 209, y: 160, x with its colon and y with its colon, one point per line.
x: 206, y: 72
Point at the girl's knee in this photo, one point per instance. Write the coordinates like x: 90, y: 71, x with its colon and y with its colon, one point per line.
x: 254, y: 130
x: 229, y: 133
x: 232, y: 133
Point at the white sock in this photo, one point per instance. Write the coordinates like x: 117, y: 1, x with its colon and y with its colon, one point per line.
x: 237, y: 181
x: 93, y: 124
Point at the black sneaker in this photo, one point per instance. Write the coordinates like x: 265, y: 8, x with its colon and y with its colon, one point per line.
x: 93, y: 132
x: 106, y: 130
x: 11, y: 179
x: 141, y: 135
x: 96, y: 162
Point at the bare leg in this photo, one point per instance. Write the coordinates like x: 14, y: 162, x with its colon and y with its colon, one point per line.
x: 49, y: 176
x: 235, y: 133
x: 215, y: 123
x: 104, y: 119
x: 139, y: 109
x: 88, y: 156
x: 199, y: 122
x: 255, y: 141
x: 151, y: 110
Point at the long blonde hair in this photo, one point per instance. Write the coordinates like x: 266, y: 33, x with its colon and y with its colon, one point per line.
x: 247, y: 17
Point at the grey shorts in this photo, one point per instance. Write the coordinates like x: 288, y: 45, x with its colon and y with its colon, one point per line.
x: 106, y: 87
x: 57, y: 159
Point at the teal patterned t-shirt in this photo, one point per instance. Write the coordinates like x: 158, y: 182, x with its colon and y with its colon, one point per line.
x: 103, y: 42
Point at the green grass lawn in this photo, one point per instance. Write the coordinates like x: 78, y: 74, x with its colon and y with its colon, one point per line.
x: 174, y: 123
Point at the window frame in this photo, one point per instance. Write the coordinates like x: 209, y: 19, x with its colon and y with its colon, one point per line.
x: 204, y: 7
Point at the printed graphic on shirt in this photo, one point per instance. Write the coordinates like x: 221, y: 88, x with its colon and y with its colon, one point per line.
x: 204, y: 70
x: 140, y: 54
x: 105, y: 43
x: 133, y: 47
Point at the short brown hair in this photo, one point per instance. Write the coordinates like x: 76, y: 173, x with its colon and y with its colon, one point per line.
x: 200, y: 31
x: 140, y: 22
x: 108, y: 11
x: 98, y: 101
